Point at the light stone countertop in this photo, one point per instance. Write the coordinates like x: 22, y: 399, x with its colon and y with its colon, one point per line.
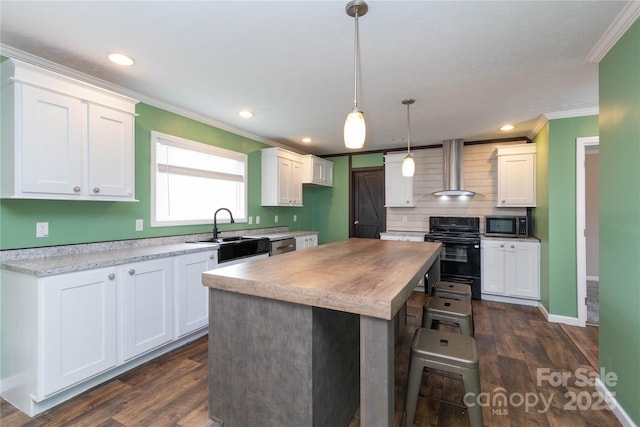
x: 49, y: 266
x: 49, y: 261
x: 286, y: 234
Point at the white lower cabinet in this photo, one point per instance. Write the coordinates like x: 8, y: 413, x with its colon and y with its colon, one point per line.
x: 65, y: 333
x: 511, y: 268
x: 147, y: 306
x: 192, y: 303
x: 307, y: 241
x: 78, y: 325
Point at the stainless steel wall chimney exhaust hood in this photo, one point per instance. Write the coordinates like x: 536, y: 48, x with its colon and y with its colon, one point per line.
x: 453, y: 151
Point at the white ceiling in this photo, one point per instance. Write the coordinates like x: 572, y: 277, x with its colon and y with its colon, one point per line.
x: 471, y: 66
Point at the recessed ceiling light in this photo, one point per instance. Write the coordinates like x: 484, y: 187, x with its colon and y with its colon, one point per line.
x: 245, y: 114
x: 306, y: 140
x: 507, y: 127
x: 120, y: 59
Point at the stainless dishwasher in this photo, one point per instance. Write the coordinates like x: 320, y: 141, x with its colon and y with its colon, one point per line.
x: 281, y: 246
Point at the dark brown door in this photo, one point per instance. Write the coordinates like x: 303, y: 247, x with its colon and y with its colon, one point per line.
x: 367, y: 201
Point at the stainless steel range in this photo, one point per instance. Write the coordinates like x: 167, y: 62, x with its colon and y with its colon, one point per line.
x: 460, y: 253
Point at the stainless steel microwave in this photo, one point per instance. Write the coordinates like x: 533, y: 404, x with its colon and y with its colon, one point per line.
x: 506, y: 226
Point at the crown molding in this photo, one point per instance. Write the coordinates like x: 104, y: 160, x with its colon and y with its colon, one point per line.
x: 581, y: 112
x: 537, y: 126
x: 11, y: 52
x: 618, y: 27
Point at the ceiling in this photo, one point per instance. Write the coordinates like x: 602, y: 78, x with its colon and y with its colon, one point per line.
x: 471, y: 66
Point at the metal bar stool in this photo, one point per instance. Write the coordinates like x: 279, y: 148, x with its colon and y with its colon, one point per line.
x: 452, y: 290
x: 447, y: 352
x: 460, y: 313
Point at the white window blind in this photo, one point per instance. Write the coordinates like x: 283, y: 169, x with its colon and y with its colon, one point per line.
x: 191, y: 180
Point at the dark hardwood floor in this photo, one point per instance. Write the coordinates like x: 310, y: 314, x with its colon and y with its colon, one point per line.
x: 513, y: 341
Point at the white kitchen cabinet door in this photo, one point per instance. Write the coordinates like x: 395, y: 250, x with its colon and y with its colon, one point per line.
x: 78, y: 325
x: 511, y: 268
x: 398, y: 189
x: 147, y: 306
x: 317, y: 170
x: 282, y: 173
x: 64, y: 139
x: 493, y: 267
x: 52, y: 131
x: 111, y: 153
x: 526, y: 272
x: 192, y: 304
x: 517, y: 176
x: 307, y: 241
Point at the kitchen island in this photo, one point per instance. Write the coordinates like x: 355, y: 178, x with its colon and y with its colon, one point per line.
x: 305, y: 337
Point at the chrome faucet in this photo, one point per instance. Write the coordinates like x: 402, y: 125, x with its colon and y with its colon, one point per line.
x: 215, y: 221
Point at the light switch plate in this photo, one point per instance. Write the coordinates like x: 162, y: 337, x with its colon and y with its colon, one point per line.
x: 139, y: 225
x: 42, y: 229
x: 257, y: 219
x: 276, y: 219
x: 250, y: 220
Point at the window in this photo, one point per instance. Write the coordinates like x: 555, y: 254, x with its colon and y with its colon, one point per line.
x: 191, y: 180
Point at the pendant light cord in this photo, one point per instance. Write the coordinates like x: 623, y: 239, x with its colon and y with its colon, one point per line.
x: 408, y: 129
x: 355, y: 61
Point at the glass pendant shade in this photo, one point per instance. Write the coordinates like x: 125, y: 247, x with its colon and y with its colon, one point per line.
x: 355, y: 130
x: 408, y: 166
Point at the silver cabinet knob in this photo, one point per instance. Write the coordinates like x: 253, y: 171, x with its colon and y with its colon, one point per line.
x: 356, y: 222
x: 76, y: 189
x: 111, y: 276
x: 96, y: 189
x: 132, y: 271
x: 502, y: 246
x: 211, y: 256
x: 512, y: 246
x: 503, y: 201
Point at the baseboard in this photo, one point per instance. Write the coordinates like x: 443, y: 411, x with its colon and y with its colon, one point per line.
x: 510, y: 300
x: 554, y: 318
x: 613, y: 404
x: 593, y: 278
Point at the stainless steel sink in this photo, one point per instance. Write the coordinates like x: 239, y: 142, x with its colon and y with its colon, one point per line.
x: 231, y: 248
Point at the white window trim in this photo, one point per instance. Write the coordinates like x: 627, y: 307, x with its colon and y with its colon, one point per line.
x: 196, y: 146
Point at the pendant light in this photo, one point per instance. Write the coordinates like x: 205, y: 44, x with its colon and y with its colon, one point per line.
x: 355, y: 129
x: 408, y: 164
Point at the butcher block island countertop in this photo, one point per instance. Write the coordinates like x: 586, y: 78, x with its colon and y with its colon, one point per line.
x: 363, y: 276
x: 306, y: 338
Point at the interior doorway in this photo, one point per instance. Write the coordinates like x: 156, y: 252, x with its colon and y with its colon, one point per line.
x: 587, y: 244
x: 367, y: 201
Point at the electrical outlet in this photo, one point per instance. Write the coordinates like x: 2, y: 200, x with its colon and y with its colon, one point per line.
x: 250, y: 220
x: 404, y: 219
x: 42, y: 229
x: 139, y: 225
x: 276, y: 219
x: 257, y: 219
x: 295, y: 218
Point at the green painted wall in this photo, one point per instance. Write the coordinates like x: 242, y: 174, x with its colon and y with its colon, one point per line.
x: 562, y: 255
x: 83, y: 222
x: 619, y: 122
x: 367, y: 160
x: 541, y: 211
x: 331, y: 205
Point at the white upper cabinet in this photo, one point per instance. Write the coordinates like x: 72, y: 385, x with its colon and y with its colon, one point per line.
x: 64, y: 139
x: 281, y: 178
x: 398, y: 189
x: 517, y: 176
x: 317, y: 171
